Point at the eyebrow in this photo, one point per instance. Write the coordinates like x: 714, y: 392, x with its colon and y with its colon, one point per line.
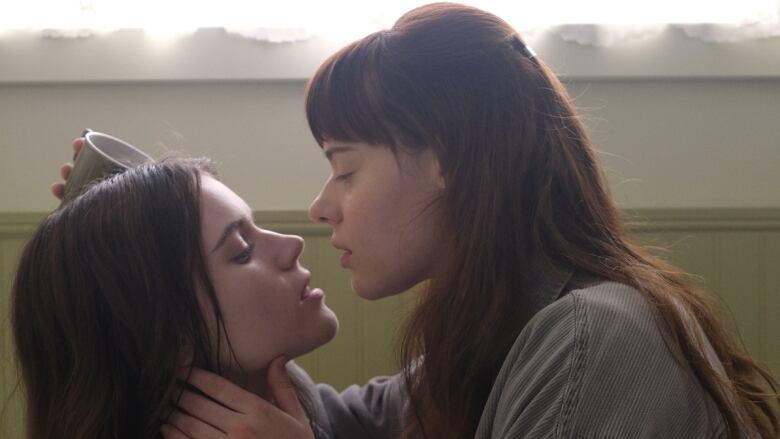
x: 337, y: 149
x: 230, y: 228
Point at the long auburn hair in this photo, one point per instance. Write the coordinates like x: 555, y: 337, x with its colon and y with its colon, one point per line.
x: 523, y: 185
x: 104, y: 303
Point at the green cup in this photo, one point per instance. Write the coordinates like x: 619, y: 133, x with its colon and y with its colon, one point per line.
x: 101, y: 156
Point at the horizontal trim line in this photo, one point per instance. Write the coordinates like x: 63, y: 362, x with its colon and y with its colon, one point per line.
x: 639, y: 220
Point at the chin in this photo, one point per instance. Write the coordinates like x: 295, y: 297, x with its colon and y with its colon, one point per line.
x: 330, y: 328
x: 374, y: 291
x: 325, y: 332
x: 365, y: 291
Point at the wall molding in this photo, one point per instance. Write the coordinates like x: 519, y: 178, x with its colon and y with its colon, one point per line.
x: 650, y: 220
x: 640, y: 220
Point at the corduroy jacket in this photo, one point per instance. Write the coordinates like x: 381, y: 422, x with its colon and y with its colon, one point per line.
x: 591, y: 363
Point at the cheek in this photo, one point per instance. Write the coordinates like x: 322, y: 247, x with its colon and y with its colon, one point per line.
x: 376, y: 212
x: 253, y: 326
x: 397, y: 259
x: 244, y: 297
x: 247, y: 302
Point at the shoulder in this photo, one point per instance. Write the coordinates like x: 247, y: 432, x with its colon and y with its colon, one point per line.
x: 599, y: 315
x: 618, y: 316
x: 605, y: 303
x: 595, y: 362
x: 630, y: 372
x: 603, y: 322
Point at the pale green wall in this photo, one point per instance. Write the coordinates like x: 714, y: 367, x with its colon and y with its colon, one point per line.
x: 667, y: 143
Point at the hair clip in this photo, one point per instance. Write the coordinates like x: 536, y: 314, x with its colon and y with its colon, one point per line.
x: 521, y: 47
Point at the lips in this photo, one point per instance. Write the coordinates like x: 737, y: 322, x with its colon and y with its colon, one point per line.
x: 346, y: 256
x: 310, y: 293
x: 338, y: 245
x: 306, y: 288
x: 345, y: 259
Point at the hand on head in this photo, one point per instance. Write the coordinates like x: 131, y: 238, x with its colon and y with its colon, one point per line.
x: 58, y: 189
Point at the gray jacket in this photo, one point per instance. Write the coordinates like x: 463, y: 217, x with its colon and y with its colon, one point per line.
x: 591, y: 363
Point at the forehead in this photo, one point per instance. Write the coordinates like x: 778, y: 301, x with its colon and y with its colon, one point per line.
x: 214, y: 192
x: 219, y: 203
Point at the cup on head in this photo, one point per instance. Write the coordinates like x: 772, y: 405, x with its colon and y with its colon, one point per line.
x: 101, y: 156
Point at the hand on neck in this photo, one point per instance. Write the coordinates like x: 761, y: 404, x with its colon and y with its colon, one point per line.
x: 253, y: 381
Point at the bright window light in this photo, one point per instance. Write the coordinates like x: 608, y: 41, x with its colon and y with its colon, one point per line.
x: 554, y: 12
x: 339, y: 17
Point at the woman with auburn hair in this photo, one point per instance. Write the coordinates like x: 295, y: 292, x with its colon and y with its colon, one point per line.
x: 459, y: 162
x: 156, y: 264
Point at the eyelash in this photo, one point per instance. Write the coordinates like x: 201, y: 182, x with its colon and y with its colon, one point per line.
x: 245, y: 255
x: 344, y: 177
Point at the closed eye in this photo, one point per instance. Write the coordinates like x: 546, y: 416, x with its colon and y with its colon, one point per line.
x: 343, y: 177
x: 246, y: 255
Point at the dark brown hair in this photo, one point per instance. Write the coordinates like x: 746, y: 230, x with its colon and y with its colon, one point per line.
x: 104, y: 302
x: 523, y: 185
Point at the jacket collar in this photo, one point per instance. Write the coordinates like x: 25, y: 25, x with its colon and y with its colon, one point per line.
x: 547, y: 283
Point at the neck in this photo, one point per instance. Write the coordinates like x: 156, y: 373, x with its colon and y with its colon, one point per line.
x: 253, y: 381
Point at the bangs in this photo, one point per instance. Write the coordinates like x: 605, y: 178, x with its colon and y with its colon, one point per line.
x: 344, y: 99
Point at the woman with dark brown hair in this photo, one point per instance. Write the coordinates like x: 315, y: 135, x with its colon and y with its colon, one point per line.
x: 146, y: 268
x: 459, y: 162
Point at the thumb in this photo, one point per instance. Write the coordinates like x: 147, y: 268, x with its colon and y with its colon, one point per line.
x: 283, y: 390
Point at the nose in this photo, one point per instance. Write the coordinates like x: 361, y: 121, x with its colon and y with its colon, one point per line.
x: 290, y: 248
x: 323, y: 209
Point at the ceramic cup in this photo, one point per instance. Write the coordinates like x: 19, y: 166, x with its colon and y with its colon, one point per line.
x: 101, y: 156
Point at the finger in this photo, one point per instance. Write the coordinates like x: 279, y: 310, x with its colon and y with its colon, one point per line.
x: 206, y: 410
x: 58, y: 190
x: 192, y: 427
x: 65, y: 170
x: 78, y: 143
x: 283, y: 390
x: 226, y: 393
x: 170, y: 432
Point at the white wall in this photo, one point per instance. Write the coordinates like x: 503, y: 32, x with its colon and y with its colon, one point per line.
x: 701, y: 130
